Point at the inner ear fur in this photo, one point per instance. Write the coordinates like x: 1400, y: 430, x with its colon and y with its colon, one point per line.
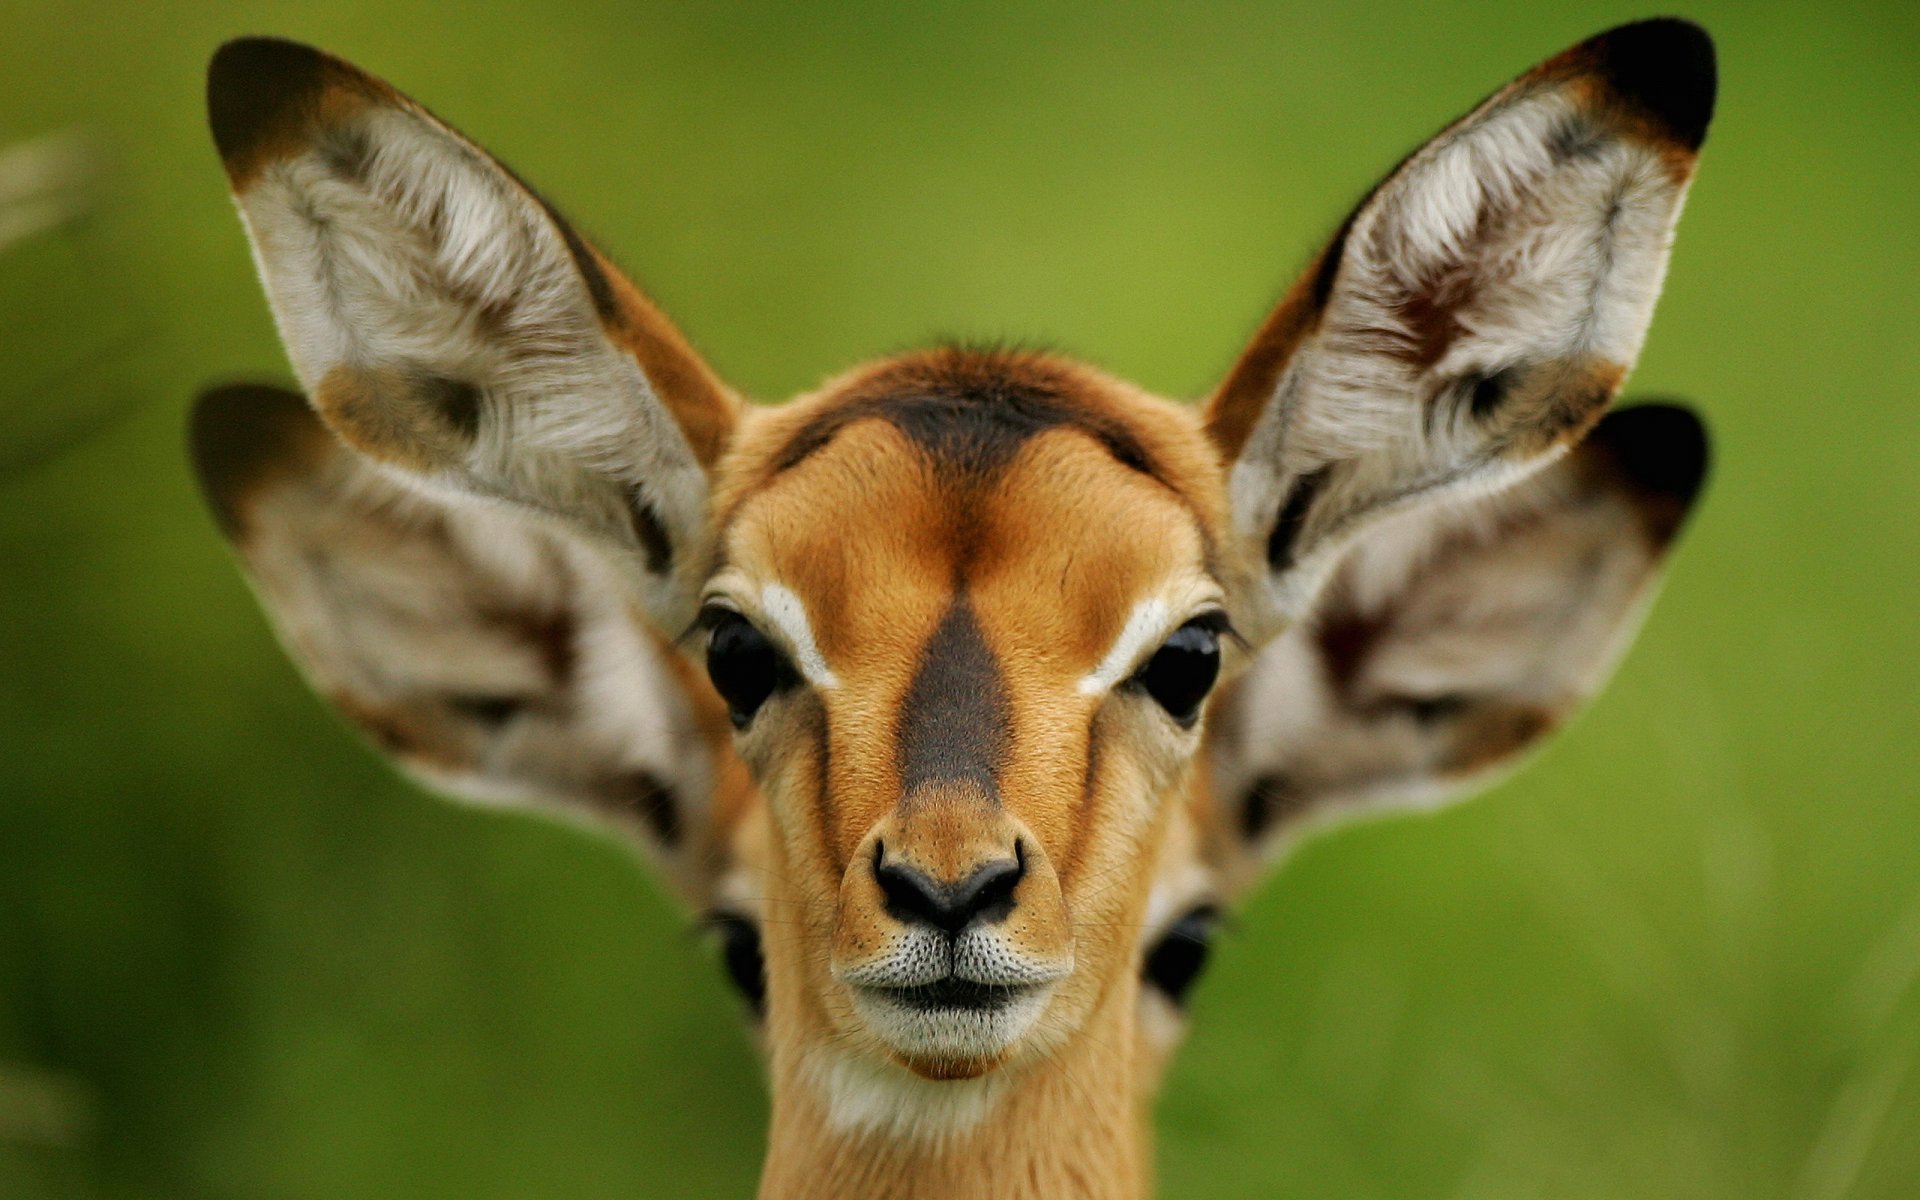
x: 447, y: 323
x: 1477, y: 312
x: 493, y: 660
x: 1449, y: 642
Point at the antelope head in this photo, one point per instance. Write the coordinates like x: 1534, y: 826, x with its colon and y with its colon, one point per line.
x: 962, y: 692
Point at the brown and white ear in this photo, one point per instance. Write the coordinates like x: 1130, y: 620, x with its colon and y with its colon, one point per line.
x: 1450, y: 642
x: 447, y: 323
x: 488, y: 657
x: 1478, y: 311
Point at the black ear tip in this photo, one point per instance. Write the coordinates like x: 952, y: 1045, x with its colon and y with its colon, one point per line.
x: 240, y: 433
x: 1667, y: 66
x: 1662, y: 449
x: 244, y: 63
x: 253, y: 83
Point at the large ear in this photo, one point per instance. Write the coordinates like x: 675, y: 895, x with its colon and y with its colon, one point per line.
x: 1450, y: 642
x: 1478, y: 311
x: 490, y: 658
x: 447, y: 323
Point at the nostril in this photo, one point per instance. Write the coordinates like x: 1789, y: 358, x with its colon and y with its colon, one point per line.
x: 911, y: 896
x: 914, y: 897
x: 988, y: 894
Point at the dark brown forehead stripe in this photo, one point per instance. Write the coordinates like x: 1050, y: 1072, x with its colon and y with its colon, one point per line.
x: 954, y: 720
x: 969, y: 411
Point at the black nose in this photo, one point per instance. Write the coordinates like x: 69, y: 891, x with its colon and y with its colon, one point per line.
x: 915, y: 897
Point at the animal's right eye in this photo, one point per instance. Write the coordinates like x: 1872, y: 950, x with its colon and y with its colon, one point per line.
x: 745, y: 667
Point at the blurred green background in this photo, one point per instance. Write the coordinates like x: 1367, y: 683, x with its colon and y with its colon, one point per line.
x: 1677, y: 957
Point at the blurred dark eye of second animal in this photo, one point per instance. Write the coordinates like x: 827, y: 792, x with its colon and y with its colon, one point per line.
x: 1175, y: 962
x: 740, y: 954
x: 491, y: 712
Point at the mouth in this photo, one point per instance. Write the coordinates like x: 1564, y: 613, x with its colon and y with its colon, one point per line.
x: 954, y: 993
x: 951, y: 1028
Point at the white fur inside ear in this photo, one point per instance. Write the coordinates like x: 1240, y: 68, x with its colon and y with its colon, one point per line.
x: 1493, y: 250
x: 398, y: 607
x: 394, y: 249
x: 1514, y: 605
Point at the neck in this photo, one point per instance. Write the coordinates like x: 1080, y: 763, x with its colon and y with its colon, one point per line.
x: 1071, y: 1124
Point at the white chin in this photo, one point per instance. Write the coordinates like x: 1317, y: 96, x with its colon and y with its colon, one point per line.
x: 917, y: 1031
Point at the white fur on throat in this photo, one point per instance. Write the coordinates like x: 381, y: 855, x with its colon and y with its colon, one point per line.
x: 868, y: 1097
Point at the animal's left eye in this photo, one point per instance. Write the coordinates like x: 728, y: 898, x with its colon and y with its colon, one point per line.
x: 1182, y: 671
x: 1174, y: 963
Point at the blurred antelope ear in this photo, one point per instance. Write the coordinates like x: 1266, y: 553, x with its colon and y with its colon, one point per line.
x: 1478, y: 311
x: 1450, y: 642
x: 484, y: 655
x: 447, y: 323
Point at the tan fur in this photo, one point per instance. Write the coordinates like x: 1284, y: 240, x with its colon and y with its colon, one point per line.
x: 1073, y: 1126
x: 961, y: 561
x: 360, y: 404
x: 704, y: 407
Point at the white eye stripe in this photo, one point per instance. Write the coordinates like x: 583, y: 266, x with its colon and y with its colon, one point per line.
x: 784, y: 608
x: 1149, y: 622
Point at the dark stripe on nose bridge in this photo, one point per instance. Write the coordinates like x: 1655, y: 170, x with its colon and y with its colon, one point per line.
x: 954, y: 721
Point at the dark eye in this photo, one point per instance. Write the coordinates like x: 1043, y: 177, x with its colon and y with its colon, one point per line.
x: 745, y: 667
x: 1175, y: 961
x: 740, y: 954
x: 1182, y: 671
x: 1430, y: 710
x: 489, y: 711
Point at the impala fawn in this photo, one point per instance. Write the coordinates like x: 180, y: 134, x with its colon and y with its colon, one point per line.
x: 962, y: 693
